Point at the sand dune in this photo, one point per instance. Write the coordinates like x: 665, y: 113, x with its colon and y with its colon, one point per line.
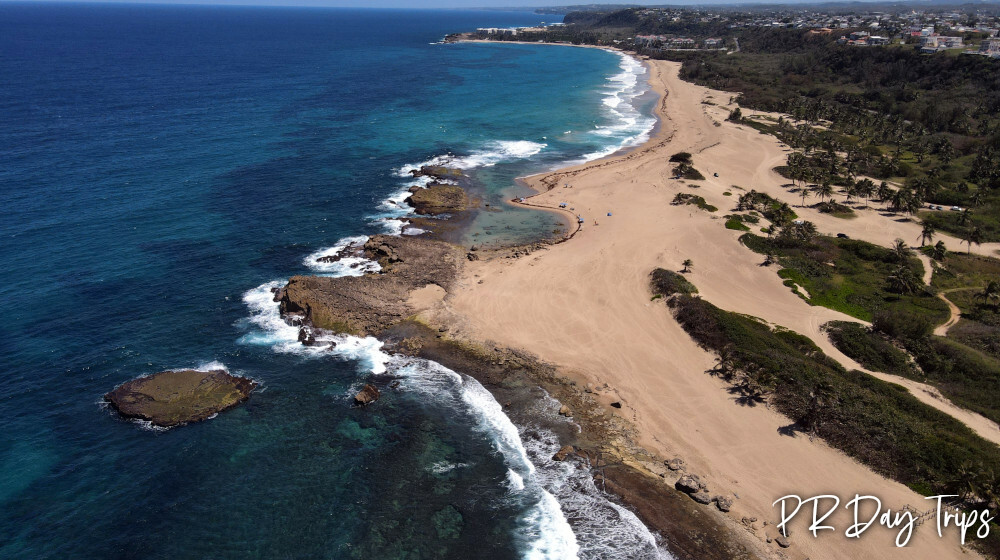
x: 584, y: 305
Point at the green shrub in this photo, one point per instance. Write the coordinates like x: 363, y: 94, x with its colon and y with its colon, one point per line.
x: 869, y: 348
x: 737, y: 224
x: 666, y: 283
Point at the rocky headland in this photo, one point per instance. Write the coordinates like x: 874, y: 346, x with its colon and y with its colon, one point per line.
x: 369, y: 304
x: 438, y: 198
x: 382, y: 304
x: 173, y: 398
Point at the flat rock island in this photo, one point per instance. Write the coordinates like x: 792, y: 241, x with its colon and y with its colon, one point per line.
x: 173, y: 398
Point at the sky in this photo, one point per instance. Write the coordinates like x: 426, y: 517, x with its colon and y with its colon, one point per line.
x: 388, y: 3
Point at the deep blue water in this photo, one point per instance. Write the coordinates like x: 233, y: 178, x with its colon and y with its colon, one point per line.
x: 158, y: 167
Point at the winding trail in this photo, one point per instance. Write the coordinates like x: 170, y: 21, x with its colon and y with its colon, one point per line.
x: 956, y: 313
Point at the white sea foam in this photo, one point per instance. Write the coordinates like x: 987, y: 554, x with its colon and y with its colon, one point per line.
x: 352, y: 263
x: 543, y: 529
x: 514, y: 481
x: 444, y: 467
x: 627, y: 125
x: 413, y: 231
x: 603, y: 528
x: 549, y: 491
x: 490, y: 154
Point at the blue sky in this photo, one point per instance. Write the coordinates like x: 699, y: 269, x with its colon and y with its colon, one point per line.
x: 389, y: 3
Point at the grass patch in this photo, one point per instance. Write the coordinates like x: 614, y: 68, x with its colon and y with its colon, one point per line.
x: 836, y: 210
x: 685, y: 198
x: 850, y: 276
x: 665, y: 283
x: 737, y: 224
x: 869, y: 348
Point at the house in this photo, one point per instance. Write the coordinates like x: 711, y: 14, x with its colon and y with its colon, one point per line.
x: 990, y: 47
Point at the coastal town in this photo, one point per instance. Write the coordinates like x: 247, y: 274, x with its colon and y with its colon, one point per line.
x: 972, y: 31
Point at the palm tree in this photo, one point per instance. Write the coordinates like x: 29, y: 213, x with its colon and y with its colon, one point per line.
x: 972, y: 235
x: 883, y: 192
x: 898, y: 198
x: 990, y: 293
x: 926, y: 234
x: 963, y: 218
x: 825, y: 190
x: 978, y: 197
x: 901, y: 250
x: 688, y: 263
x: 939, y: 252
x: 903, y: 280
x: 805, y: 193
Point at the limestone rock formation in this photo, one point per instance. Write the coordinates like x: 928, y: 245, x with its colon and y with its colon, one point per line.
x: 172, y: 398
x: 367, y: 395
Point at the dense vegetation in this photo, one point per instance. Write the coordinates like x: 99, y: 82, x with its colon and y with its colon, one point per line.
x: 851, y: 276
x: 870, y: 349
x: 878, y: 423
x: 930, y: 125
x: 665, y: 283
x: 685, y: 198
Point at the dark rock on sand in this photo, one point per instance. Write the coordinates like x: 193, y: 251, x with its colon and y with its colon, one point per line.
x: 675, y: 464
x: 367, y: 395
x: 171, y: 398
x: 368, y: 304
x: 563, y: 453
x: 689, y: 483
x: 616, y: 404
x: 701, y: 497
x: 439, y: 198
x: 723, y: 503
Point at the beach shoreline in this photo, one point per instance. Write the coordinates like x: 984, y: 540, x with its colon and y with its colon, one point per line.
x: 580, y: 314
x: 560, y: 291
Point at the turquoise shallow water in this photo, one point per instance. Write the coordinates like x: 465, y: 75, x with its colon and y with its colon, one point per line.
x: 162, y: 166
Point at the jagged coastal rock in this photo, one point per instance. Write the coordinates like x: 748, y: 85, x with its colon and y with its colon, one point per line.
x: 437, y: 172
x: 172, y: 398
x: 364, y: 305
x: 367, y: 395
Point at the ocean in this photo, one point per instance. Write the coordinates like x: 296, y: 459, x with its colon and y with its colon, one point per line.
x: 162, y: 169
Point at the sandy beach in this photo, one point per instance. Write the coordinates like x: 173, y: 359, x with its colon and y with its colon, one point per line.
x: 584, y: 306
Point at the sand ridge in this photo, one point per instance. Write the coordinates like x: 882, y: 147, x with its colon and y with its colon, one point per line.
x: 584, y: 305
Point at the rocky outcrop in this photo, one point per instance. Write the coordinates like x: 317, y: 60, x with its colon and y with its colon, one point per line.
x: 368, y: 304
x: 561, y: 455
x: 675, y: 464
x: 172, y: 398
x: 701, y: 497
x: 438, y: 198
x: 723, y: 503
x: 367, y: 395
x: 689, y: 484
x: 437, y: 172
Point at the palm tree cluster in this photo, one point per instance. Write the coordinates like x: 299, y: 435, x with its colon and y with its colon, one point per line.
x: 975, y: 485
x: 753, y: 382
x: 779, y: 213
x: 903, y: 279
